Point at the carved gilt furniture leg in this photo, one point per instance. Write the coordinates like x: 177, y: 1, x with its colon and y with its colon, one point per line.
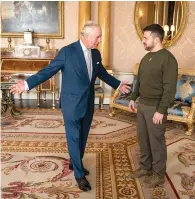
x: 53, y: 100
x: 112, y: 112
x: 191, y: 117
x: 7, y: 103
x: 102, y: 102
x: 53, y: 92
x: 44, y: 93
x: 38, y: 96
x: 190, y: 128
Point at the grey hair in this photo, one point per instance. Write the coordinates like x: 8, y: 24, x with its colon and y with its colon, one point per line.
x: 86, y: 30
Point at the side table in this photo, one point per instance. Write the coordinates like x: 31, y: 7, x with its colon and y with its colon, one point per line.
x: 7, y: 105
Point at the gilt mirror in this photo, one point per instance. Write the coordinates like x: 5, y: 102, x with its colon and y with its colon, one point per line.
x: 171, y: 15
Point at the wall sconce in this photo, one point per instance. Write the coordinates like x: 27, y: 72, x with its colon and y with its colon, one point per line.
x: 140, y: 14
x: 172, y: 30
x: 169, y: 31
x: 166, y: 29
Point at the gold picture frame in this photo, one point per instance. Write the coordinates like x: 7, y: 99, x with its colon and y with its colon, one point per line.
x: 44, y: 18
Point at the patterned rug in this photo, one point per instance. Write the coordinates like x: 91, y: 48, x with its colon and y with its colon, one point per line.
x: 34, y: 159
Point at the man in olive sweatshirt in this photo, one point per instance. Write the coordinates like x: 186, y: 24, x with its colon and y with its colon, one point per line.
x: 156, y: 87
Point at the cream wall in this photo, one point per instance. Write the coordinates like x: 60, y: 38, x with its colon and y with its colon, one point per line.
x: 126, y: 48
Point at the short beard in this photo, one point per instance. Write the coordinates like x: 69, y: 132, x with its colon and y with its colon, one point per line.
x: 149, y: 48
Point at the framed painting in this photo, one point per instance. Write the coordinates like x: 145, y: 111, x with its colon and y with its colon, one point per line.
x: 44, y: 18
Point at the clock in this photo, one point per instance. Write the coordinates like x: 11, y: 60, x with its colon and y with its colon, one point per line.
x: 27, y: 51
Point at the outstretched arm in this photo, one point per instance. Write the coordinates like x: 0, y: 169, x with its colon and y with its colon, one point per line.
x: 109, y: 79
x: 40, y: 77
x: 112, y: 81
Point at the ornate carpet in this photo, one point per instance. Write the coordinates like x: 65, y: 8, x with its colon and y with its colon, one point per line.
x: 34, y: 159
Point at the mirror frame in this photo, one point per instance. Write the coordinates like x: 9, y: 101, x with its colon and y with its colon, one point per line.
x: 176, y: 36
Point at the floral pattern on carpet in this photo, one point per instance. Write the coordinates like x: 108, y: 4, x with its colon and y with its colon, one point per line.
x: 181, y: 167
x: 35, y: 165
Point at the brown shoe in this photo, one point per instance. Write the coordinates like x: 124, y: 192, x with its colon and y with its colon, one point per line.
x: 154, y: 180
x: 139, y: 173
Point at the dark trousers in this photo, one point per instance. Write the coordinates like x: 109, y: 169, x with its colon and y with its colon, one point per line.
x: 151, y: 140
x: 77, y: 133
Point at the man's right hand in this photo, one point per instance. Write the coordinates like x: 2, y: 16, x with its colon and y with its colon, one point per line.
x: 19, y: 87
x: 132, y: 106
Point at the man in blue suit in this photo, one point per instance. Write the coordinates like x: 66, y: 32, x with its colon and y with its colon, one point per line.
x: 80, y: 64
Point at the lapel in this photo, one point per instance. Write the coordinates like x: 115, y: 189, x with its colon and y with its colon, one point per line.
x: 82, y: 62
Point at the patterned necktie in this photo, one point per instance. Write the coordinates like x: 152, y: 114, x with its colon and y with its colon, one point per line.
x: 88, y: 62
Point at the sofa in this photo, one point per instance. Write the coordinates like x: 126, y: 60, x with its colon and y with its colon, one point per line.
x: 183, y: 109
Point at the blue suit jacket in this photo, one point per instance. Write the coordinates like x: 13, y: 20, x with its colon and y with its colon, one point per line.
x: 76, y: 88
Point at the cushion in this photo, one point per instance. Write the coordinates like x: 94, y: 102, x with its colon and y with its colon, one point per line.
x: 125, y: 96
x: 125, y: 101
x: 185, y: 88
x: 97, y: 82
x: 179, y: 108
x: 99, y: 90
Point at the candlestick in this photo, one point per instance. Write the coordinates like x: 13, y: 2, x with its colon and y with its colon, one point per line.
x: 47, y: 46
x: 166, y: 29
x: 9, y: 44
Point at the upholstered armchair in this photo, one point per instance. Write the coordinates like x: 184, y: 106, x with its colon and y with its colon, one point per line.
x: 99, y: 92
x: 121, y: 101
x: 183, y: 109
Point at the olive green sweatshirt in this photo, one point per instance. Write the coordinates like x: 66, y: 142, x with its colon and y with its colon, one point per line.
x: 157, y: 80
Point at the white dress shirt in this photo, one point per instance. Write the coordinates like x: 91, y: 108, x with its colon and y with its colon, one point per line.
x: 88, y: 59
x: 26, y: 87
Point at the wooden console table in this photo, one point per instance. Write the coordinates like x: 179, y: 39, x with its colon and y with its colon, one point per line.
x: 14, y: 68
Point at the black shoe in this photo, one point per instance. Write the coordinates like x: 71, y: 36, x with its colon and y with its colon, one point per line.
x: 85, y: 170
x: 83, y: 184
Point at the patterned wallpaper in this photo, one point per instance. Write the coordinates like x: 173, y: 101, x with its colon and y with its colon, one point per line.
x: 126, y: 48
x: 184, y: 49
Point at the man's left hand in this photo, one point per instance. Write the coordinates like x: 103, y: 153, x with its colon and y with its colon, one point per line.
x: 157, y: 118
x: 124, y: 88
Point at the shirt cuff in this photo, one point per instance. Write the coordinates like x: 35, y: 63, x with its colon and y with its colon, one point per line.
x: 162, y: 109
x: 119, y: 86
x: 26, y: 87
